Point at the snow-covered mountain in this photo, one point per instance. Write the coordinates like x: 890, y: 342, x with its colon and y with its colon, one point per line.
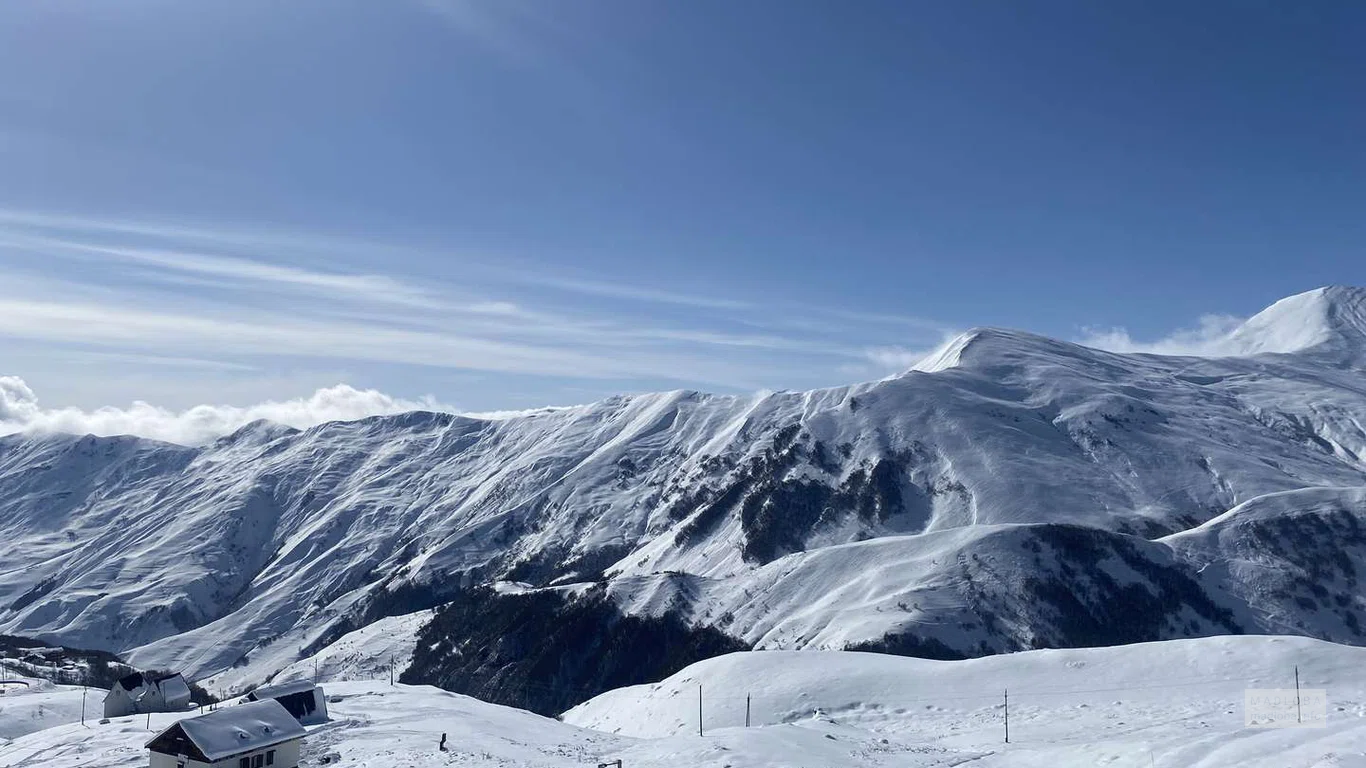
x: 1011, y: 491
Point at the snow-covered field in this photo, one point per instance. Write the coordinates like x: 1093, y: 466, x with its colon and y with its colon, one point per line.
x: 1177, y: 704
x: 373, y: 725
x: 35, y: 705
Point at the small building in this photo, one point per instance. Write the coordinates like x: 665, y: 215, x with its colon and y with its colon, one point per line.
x: 140, y: 693
x: 256, y: 735
x: 301, y: 698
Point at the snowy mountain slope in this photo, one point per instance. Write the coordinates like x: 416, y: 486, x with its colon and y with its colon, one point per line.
x: 953, y: 508
x: 1291, y: 562
x: 1325, y: 321
x: 970, y: 591
x: 365, y: 654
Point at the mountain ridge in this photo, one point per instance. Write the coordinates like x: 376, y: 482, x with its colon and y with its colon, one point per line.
x: 1009, y: 500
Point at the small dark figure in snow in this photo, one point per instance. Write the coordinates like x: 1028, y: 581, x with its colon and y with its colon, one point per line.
x: 443, y: 742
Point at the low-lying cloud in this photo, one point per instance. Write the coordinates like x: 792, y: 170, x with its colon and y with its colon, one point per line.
x: 895, y: 359
x: 1209, y: 339
x: 21, y: 412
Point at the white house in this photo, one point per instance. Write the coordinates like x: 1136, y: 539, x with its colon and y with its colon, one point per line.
x: 256, y: 735
x: 302, y: 698
x: 140, y: 693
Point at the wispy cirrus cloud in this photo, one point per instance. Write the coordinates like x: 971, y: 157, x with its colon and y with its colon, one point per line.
x: 889, y: 319
x: 638, y: 293
x: 194, y: 301
x: 366, y: 287
x: 277, y: 334
x: 339, y: 297
x: 156, y: 361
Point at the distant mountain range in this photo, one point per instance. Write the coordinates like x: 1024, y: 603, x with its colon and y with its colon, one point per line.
x: 1010, y: 492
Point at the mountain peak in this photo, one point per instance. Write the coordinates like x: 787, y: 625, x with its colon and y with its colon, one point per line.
x: 988, y: 346
x: 256, y: 432
x: 1332, y: 318
x: 1329, y: 320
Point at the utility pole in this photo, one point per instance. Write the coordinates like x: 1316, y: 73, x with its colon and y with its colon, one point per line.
x: 1299, y: 716
x: 391, y: 669
x: 82, y: 705
x: 1007, y: 691
x: 746, y: 710
x: 699, y: 709
x: 315, y: 670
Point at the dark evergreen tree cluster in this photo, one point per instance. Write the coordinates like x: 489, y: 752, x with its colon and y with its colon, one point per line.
x: 547, y: 651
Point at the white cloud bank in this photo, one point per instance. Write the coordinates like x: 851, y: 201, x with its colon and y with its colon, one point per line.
x: 1211, y: 338
x: 20, y: 412
x: 895, y: 359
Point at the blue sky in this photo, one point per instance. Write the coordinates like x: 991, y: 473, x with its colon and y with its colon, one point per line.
x: 515, y: 203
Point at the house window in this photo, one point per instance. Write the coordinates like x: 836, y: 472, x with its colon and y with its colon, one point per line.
x: 244, y: 763
x: 258, y: 761
x: 270, y: 757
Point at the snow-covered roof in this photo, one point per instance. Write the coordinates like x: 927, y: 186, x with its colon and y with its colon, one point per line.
x: 243, y: 728
x: 282, y: 689
x: 174, y: 689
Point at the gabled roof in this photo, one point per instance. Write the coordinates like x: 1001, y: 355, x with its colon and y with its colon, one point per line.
x: 171, y: 688
x: 282, y: 689
x: 134, y: 680
x: 234, y: 730
x: 174, y: 689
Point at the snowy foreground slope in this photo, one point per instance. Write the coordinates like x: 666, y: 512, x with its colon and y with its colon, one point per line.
x: 28, y: 705
x: 1010, y: 492
x: 372, y: 725
x: 899, y: 692
x: 1176, y: 704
